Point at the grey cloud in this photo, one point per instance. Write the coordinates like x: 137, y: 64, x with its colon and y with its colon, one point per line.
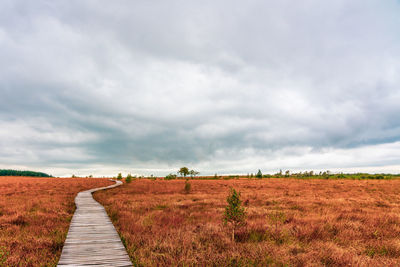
x: 181, y: 82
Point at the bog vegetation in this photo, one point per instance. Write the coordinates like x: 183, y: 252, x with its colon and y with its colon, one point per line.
x: 288, y: 222
x: 34, y: 217
x: 300, y: 219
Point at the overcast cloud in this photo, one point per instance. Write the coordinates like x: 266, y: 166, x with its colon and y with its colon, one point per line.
x: 98, y: 87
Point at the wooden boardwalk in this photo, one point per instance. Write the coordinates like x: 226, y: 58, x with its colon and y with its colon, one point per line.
x: 92, y: 239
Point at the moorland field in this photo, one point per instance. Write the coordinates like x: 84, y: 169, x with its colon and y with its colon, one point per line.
x: 290, y: 222
x: 34, y: 217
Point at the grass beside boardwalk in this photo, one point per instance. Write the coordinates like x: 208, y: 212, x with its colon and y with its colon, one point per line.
x: 290, y: 222
x: 35, y: 214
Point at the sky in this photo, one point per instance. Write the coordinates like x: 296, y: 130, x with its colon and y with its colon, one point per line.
x: 145, y: 87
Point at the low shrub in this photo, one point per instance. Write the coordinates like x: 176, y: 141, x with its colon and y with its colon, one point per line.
x: 170, y: 177
x: 3, y: 255
x: 187, y: 187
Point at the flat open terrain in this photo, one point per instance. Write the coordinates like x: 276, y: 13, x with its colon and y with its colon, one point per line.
x: 35, y: 214
x: 290, y: 222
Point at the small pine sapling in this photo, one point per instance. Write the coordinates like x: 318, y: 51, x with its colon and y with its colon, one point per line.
x: 234, y: 213
x: 119, y: 177
x: 128, y: 178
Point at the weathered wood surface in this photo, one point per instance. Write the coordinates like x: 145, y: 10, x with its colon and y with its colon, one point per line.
x: 92, y: 239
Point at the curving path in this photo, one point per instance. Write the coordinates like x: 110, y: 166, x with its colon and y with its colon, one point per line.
x: 92, y: 239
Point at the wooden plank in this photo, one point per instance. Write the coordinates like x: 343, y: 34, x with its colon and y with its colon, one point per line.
x: 92, y: 239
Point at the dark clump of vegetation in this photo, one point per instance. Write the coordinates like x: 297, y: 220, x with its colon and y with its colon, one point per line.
x: 3, y: 255
x: 128, y: 178
x: 170, y: 176
x: 23, y: 173
x: 187, y: 187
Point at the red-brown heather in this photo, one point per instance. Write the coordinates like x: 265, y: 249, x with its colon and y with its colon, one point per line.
x: 35, y: 214
x: 289, y: 222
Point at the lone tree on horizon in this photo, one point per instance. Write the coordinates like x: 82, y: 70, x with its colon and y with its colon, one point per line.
x: 184, y: 171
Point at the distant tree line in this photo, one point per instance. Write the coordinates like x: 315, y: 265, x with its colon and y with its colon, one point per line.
x: 23, y: 173
x: 184, y: 172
